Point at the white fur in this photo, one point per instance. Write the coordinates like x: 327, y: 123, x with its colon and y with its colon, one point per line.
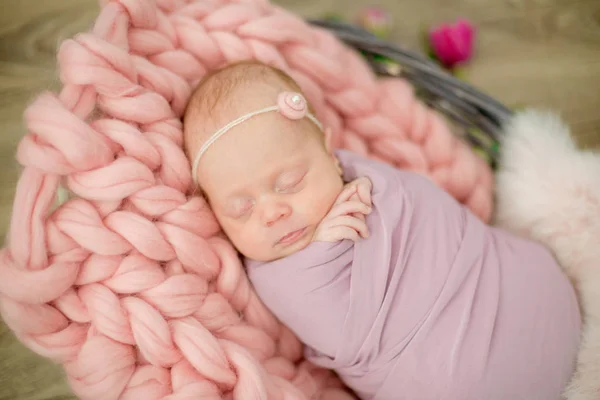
x: 549, y: 190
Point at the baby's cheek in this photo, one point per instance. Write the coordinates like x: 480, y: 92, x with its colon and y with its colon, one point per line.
x: 323, y: 201
x: 235, y: 233
x: 247, y: 243
x: 243, y: 237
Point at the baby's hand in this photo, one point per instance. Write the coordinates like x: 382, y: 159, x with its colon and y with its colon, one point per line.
x: 346, y: 219
x: 362, y: 188
x: 362, y: 192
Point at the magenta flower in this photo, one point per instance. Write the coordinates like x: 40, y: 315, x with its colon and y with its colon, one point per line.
x: 452, y: 44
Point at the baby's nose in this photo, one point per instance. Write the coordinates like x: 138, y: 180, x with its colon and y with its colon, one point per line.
x: 275, y: 212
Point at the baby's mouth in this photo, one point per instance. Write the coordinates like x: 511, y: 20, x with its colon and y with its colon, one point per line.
x: 292, y: 237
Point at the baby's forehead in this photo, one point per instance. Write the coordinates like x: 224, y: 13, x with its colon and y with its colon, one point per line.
x: 236, y: 87
x: 220, y: 102
x: 222, y: 99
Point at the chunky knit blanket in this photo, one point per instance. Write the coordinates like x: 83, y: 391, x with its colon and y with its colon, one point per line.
x: 127, y: 281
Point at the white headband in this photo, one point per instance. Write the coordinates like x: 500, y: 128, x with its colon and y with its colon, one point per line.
x: 290, y: 104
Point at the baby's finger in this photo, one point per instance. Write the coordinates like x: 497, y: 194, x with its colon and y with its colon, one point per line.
x: 327, y: 236
x: 349, y: 207
x: 351, y: 222
x: 358, y: 216
x: 356, y: 198
x: 363, y: 189
x: 364, y: 193
x: 365, y: 181
x: 345, y: 194
x: 342, y: 232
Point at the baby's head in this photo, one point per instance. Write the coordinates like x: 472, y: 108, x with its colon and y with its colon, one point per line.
x: 270, y: 179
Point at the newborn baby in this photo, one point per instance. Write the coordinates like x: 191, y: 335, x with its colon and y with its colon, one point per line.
x: 384, y: 276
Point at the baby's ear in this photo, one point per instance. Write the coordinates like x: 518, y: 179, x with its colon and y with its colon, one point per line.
x: 338, y: 166
x: 329, y: 147
x: 329, y: 140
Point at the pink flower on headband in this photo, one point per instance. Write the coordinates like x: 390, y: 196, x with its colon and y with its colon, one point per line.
x: 292, y: 105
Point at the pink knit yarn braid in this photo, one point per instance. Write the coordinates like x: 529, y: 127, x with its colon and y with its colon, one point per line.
x: 129, y: 284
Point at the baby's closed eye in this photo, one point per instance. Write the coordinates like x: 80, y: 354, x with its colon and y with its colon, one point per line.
x: 239, y: 207
x: 289, y: 181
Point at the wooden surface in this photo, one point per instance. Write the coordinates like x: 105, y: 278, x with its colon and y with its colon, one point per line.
x: 543, y: 53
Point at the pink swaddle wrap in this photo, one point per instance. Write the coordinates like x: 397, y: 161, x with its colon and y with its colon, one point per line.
x: 433, y: 305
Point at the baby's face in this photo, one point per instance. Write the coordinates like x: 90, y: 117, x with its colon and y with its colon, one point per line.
x: 270, y: 181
